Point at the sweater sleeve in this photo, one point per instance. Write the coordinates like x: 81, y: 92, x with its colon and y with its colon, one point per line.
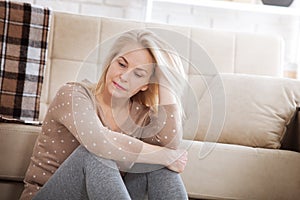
x: 74, y: 108
x: 164, y: 128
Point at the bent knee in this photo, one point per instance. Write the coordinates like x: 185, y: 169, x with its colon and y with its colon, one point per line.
x: 163, y: 172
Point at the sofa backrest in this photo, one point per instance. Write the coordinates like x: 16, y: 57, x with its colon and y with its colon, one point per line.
x: 74, y: 40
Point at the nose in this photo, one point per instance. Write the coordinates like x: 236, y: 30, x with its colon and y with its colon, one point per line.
x: 124, y: 76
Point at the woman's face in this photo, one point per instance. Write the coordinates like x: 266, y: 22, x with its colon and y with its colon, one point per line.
x: 129, y: 73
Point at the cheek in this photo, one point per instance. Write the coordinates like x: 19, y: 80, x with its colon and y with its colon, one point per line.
x: 111, y: 72
x: 138, y: 84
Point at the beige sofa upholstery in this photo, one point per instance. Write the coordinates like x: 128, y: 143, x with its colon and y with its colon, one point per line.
x: 225, y: 166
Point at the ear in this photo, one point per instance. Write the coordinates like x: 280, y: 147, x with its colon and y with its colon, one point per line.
x: 144, y: 88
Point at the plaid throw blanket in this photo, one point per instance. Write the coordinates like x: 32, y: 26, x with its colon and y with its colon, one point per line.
x: 23, y: 47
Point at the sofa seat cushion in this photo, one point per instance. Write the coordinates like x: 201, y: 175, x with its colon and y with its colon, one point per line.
x: 240, y: 172
x: 16, y: 145
x: 10, y: 190
x: 253, y: 110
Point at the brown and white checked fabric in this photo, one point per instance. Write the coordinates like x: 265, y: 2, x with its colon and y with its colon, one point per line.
x: 24, y: 32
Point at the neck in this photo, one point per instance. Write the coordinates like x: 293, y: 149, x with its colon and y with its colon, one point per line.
x: 114, y: 111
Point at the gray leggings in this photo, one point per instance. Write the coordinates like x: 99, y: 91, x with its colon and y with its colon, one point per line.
x: 85, y: 176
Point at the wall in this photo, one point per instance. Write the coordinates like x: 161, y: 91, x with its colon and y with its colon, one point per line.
x: 286, y: 26
x: 130, y: 9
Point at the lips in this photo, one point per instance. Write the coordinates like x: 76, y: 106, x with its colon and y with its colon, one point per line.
x: 119, y: 86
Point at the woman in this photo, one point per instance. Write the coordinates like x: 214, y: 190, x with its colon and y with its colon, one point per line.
x: 130, y: 122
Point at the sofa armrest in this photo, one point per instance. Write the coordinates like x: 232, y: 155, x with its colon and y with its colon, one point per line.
x: 16, y: 145
x: 291, y: 140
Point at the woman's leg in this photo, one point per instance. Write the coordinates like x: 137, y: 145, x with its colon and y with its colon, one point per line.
x: 165, y: 184
x: 159, y: 184
x: 136, y: 184
x: 84, y: 176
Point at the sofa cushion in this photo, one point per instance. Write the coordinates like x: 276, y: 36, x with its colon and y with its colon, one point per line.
x: 16, y: 145
x: 239, y: 172
x: 24, y: 29
x: 11, y: 190
x: 253, y: 110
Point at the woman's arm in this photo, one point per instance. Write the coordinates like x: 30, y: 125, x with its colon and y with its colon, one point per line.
x: 73, y: 107
x: 173, y: 159
x: 165, y: 127
x: 166, y: 96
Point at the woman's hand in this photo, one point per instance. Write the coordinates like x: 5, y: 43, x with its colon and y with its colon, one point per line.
x: 160, y: 77
x: 179, y: 165
x: 166, y: 91
x: 173, y: 159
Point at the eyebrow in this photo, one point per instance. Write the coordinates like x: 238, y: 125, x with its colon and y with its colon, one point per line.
x: 124, y: 59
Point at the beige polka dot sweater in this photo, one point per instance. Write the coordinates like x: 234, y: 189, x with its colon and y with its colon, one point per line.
x: 74, y: 119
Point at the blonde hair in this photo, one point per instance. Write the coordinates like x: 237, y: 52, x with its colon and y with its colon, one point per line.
x: 166, y: 58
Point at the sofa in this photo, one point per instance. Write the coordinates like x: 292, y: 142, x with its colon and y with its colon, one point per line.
x: 241, y: 124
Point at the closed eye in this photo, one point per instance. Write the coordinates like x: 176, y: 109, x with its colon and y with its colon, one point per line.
x: 122, y: 64
x: 138, y: 75
x: 140, y: 72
